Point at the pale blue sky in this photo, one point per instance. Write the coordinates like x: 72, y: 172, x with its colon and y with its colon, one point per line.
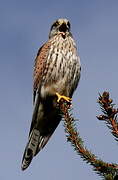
x: 24, y: 27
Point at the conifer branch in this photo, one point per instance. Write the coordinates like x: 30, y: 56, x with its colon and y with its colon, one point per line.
x: 106, y: 170
x: 109, y: 113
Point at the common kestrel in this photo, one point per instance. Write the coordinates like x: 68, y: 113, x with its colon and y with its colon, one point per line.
x: 56, y: 75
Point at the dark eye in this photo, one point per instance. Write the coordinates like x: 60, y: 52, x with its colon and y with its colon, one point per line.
x: 55, y: 24
x: 68, y: 24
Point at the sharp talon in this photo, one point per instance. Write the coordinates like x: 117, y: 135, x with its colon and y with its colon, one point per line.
x: 68, y: 99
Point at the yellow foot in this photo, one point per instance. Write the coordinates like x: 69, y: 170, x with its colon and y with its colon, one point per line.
x: 68, y: 99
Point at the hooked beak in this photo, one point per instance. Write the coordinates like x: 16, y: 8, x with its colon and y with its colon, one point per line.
x: 63, y: 27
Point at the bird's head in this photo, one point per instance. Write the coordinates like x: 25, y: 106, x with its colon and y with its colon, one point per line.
x: 60, y: 26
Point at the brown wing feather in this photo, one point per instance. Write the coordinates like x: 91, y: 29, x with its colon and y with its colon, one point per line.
x: 39, y: 67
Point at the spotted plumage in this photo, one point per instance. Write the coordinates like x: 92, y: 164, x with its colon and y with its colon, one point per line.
x: 56, y: 70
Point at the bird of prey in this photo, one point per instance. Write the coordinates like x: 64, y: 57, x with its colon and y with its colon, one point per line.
x: 56, y: 76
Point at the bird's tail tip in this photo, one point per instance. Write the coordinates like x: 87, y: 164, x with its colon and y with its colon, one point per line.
x: 35, y: 144
x: 27, y: 158
x: 31, y: 148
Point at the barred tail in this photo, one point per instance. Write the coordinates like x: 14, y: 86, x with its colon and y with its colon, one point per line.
x: 35, y: 144
x: 44, y: 122
x: 30, y: 149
